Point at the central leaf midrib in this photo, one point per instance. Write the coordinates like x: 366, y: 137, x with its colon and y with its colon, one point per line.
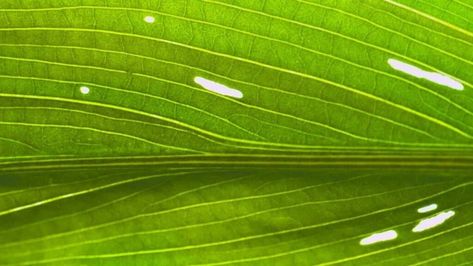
x: 390, y: 160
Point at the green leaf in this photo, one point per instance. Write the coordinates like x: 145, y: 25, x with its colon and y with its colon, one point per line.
x: 287, y: 132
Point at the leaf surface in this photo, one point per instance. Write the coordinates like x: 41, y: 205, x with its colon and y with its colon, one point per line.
x: 114, y: 148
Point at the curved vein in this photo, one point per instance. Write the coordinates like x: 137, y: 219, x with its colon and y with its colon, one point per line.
x: 319, y: 124
x: 352, y: 108
x: 82, y: 192
x: 245, y: 216
x: 333, y: 57
x: 309, y: 26
x: 252, y: 237
x: 102, y: 132
x: 435, y: 19
x: 362, y: 93
x: 23, y: 144
x: 388, y: 30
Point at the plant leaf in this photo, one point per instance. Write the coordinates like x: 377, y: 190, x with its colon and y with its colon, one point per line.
x: 225, y: 132
x: 216, y: 216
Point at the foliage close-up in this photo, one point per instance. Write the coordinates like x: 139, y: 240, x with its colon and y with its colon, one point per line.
x: 236, y: 132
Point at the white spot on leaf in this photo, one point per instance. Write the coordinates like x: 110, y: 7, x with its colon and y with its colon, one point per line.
x: 84, y: 90
x: 432, y: 222
x: 427, y: 208
x: 149, y: 19
x: 435, y: 77
x: 379, y: 237
x: 218, y: 88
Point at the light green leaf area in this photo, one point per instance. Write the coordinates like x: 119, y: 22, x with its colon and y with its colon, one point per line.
x: 326, y: 124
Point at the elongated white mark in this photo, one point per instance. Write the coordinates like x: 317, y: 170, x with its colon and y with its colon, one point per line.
x: 435, y: 77
x: 149, y: 19
x: 218, y: 88
x: 427, y: 208
x: 379, y: 237
x: 432, y: 222
x: 84, y: 90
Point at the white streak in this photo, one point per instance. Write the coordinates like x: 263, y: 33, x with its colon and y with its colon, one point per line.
x: 433, y: 221
x: 427, y: 208
x: 435, y: 77
x: 379, y: 237
x: 149, y: 19
x: 218, y: 88
x: 84, y: 90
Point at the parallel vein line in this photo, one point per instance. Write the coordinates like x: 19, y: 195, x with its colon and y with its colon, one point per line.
x: 450, y: 13
x: 212, y: 223
x: 437, y: 20
x: 152, y: 214
x: 229, y: 28
x: 319, y: 124
x: 399, y: 246
x: 311, y: 248
x: 352, y: 108
x: 390, y: 31
x: 124, y: 120
x: 333, y: 57
x: 429, y: 261
x: 102, y: 132
x: 91, y: 190
x: 20, y: 143
x: 103, y: 105
x: 309, y: 26
x: 405, y: 21
x: 298, y: 229
x: 365, y: 94
x: 131, y: 91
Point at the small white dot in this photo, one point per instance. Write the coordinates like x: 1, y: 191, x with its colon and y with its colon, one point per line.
x: 84, y: 90
x: 149, y: 19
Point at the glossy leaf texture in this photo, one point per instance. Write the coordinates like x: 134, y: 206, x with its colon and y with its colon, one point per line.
x: 235, y: 131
